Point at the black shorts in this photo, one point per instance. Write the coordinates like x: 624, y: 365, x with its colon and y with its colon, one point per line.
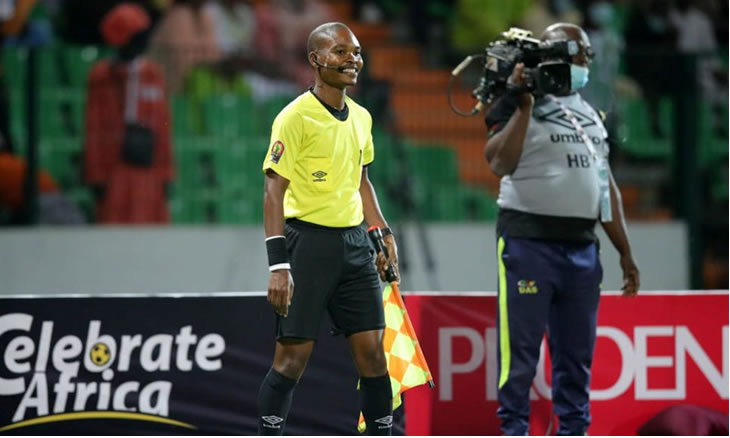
x: 333, y: 269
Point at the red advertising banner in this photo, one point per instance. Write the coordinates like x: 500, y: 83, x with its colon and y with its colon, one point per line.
x: 653, y: 351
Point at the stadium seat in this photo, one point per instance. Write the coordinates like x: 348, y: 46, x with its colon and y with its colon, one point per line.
x: 242, y: 205
x: 640, y: 141
x: 61, y: 157
x: 198, y: 159
x: 185, y: 120
x: 229, y: 115
x: 195, y: 206
x: 13, y: 62
x: 18, y: 127
x: 435, y: 164
x: 268, y: 110
x: 61, y: 114
x: 713, y: 147
x: 66, y: 65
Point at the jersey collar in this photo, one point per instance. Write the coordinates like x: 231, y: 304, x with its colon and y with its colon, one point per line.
x: 337, y: 114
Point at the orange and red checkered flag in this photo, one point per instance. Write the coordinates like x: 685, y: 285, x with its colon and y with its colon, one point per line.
x: 406, y: 364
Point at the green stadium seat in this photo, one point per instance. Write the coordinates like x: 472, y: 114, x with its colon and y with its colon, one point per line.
x: 720, y: 186
x: 195, y: 206
x: 67, y: 65
x: 267, y: 112
x: 61, y: 157
x: 435, y: 164
x: 18, y: 127
x: 459, y: 203
x: 242, y: 163
x: 713, y: 147
x: 478, y: 204
x: 198, y: 159
x: 640, y: 141
x: 61, y: 114
x: 219, y: 180
x: 229, y: 115
x: 243, y: 205
x: 385, y: 167
x: 14, y: 62
x: 185, y: 120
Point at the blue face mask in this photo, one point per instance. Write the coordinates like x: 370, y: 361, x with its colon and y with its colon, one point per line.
x: 578, y: 77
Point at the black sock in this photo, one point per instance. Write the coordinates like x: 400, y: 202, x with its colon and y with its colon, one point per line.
x: 274, y: 401
x: 376, y: 403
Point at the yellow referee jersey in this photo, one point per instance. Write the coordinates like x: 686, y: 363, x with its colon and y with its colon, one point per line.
x: 322, y: 157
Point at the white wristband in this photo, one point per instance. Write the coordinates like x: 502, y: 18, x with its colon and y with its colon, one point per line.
x: 273, y: 268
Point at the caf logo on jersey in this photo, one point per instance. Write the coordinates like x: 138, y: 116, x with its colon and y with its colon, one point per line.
x: 277, y: 150
x: 527, y: 286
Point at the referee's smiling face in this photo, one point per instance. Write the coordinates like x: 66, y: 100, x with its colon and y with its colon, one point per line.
x: 341, y: 50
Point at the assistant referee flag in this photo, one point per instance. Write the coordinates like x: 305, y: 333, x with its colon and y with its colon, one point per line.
x: 406, y: 364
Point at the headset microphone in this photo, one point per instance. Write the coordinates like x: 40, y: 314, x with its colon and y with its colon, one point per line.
x: 340, y: 68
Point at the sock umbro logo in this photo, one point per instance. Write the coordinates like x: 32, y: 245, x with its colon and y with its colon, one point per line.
x: 272, y: 421
x: 387, y: 422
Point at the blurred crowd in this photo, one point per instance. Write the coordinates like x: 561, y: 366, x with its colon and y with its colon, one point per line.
x: 257, y: 48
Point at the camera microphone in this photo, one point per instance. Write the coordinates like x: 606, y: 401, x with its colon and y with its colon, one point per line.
x: 340, y: 68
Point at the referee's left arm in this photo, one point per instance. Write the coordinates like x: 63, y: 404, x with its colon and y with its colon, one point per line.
x: 373, y: 216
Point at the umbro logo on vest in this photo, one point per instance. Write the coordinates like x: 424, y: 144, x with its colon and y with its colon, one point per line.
x: 558, y: 117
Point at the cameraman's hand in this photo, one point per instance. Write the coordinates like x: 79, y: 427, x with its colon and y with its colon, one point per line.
x: 517, y: 80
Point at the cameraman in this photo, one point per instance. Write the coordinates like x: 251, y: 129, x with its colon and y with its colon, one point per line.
x: 552, y: 155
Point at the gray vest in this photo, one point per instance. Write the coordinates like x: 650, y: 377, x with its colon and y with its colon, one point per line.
x: 556, y: 175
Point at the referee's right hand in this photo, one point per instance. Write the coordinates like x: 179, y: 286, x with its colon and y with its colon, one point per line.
x: 281, y: 290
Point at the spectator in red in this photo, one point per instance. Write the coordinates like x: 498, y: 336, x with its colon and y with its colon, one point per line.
x: 128, y: 156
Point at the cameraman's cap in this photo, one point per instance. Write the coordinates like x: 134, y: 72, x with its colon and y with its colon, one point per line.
x: 123, y: 22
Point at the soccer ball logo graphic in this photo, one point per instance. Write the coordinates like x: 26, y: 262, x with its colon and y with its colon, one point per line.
x: 100, y: 354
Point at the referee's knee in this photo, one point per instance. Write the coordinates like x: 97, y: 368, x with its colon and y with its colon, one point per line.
x: 291, y: 366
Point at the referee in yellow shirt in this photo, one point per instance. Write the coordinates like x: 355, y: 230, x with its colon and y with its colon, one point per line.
x: 316, y: 195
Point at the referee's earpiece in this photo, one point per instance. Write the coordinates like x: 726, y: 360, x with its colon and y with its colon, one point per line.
x: 314, y: 60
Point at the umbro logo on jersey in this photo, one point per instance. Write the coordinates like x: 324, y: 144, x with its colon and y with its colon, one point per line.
x: 558, y: 117
x: 272, y: 421
x: 387, y: 422
x: 319, y: 176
